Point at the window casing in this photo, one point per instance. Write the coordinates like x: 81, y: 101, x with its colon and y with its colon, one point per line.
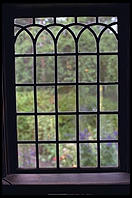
x: 11, y: 119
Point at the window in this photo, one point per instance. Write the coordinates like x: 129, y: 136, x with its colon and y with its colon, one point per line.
x: 66, y: 87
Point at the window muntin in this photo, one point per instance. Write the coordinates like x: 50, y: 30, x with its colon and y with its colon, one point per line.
x: 94, y: 30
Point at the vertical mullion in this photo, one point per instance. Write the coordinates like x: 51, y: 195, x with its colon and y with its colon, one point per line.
x: 75, y: 19
x: 77, y: 106
x: 33, y: 20
x: 56, y: 106
x: 96, y: 19
x: 98, y: 107
x: 54, y: 20
x: 35, y: 106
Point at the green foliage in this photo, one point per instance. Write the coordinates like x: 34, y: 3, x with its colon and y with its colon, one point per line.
x: 88, y: 154
x: 46, y: 127
x: 67, y: 127
x: 66, y: 98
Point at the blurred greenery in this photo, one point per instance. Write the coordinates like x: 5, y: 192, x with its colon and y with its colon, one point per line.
x: 45, y: 73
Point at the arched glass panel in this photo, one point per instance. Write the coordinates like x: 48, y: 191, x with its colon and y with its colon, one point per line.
x: 87, y: 42
x: 108, y: 42
x: 66, y: 42
x: 45, y: 43
x: 24, y: 44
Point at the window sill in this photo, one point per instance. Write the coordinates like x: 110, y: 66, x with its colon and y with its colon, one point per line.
x: 82, y: 183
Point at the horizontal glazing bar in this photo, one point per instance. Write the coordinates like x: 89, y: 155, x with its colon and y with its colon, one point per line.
x: 66, y: 113
x: 68, y: 142
x: 67, y: 54
x: 60, y: 84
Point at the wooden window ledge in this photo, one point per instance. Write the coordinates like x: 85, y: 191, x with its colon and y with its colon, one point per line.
x: 82, y: 183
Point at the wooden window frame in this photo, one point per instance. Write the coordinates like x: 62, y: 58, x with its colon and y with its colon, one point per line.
x: 29, y: 10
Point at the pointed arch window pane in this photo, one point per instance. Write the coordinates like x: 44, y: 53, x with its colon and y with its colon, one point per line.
x: 108, y: 42
x: 45, y: 43
x: 87, y: 42
x: 24, y: 44
x: 66, y: 42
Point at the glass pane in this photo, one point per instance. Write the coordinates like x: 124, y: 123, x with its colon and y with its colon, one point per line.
x: 97, y: 28
x: 109, y: 154
x: 66, y: 42
x: 47, y: 155
x: 86, y: 20
x: 76, y: 29
x: 66, y: 69
x: 87, y: 42
x: 67, y: 155
x: 66, y: 98
x: 44, y: 21
x: 25, y: 128
x: 26, y: 156
x: 34, y: 30
x: 87, y: 68
x: 108, y: 97
x: 44, y: 43
x: 45, y: 99
x: 55, y: 29
x: 109, y: 127
x: 23, y: 21
x: 24, y: 70
x: 88, y: 98
x: 45, y: 69
x: 67, y: 127
x: 115, y: 27
x: 88, y: 127
x: 65, y: 20
x: 24, y: 99
x: 88, y: 155
x: 108, y: 68
x: 108, y: 42
x: 107, y: 20
x: 24, y: 44
x: 16, y: 30
x: 46, y: 127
